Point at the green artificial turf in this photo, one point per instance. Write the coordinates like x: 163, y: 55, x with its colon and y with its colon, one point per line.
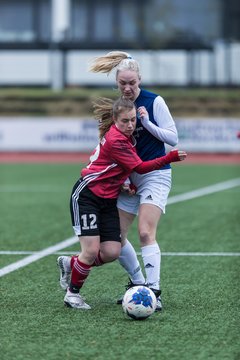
x: 200, y: 294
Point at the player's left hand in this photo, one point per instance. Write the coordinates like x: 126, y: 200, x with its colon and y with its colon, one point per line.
x: 182, y: 155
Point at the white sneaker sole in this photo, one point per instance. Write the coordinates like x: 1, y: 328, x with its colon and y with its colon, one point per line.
x: 77, y: 306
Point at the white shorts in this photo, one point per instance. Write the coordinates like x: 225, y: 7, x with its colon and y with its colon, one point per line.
x: 152, y: 188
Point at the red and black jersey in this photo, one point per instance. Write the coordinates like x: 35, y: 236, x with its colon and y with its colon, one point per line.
x: 110, y: 164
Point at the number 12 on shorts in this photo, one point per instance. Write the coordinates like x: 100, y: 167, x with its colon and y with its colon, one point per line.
x: 89, y: 221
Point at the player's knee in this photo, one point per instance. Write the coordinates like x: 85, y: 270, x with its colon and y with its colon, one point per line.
x: 111, y: 254
x: 89, y: 255
x: 146, y: 238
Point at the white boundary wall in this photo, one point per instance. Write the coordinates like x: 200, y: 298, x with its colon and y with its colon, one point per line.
x: 166, y: 67
x: 81, y: 134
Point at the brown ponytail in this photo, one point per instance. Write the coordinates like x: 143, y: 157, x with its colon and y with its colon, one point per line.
x: 103, y: 112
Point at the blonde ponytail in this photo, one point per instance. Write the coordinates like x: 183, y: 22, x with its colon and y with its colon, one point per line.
x: 106, y: 63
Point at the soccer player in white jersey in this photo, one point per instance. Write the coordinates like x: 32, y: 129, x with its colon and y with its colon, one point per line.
x: 93, y: 203
x: 152, y: 133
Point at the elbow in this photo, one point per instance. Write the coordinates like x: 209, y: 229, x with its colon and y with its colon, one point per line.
x: 174, y: 141
x: 139, y: 171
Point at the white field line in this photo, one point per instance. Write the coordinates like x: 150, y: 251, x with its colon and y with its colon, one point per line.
x: 68, y: 242
x: 38, y: 255
x: 204, y: 191
x: 7, y: 252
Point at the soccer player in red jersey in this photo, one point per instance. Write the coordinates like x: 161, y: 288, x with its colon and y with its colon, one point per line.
x: 153, y: 133
x: 93, y: 203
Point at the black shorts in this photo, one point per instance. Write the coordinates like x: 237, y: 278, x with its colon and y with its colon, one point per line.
x: 92, y: 215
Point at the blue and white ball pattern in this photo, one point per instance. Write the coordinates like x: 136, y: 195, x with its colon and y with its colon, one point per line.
x: 139, y: 302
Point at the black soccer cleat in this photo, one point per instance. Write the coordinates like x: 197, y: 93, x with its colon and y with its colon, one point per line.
x: 159, y: 300
x: 128, y: 286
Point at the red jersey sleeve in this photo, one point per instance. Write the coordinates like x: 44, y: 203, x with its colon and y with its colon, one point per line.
x: 157, y: 163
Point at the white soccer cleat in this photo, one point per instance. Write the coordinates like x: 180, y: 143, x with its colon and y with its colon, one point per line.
x: 64, y: 264
x: 75, y: 301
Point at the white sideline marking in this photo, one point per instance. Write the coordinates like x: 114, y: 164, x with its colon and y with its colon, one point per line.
x: 201, y: 254
x: 38, y: 255
x: 172, y: 200
x: 7, y: 252
x: 204, y: 191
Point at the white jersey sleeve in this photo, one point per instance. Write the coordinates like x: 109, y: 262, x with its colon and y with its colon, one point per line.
x: 165, y: 130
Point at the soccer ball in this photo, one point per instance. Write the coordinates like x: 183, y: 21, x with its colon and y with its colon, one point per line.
x: 139, y: 302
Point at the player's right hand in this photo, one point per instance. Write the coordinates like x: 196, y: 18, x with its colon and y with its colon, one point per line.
x: 130, y: 189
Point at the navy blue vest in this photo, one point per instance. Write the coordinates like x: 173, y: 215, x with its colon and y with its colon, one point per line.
x: 148, y: 147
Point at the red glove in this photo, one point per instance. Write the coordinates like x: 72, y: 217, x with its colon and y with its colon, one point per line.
x: 156, y: 164
x: 172, y: 156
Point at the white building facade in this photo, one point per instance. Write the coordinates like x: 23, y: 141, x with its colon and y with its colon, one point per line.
x: 178, y: 43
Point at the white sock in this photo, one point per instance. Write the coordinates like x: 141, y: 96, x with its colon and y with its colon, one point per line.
x: 151, y: 256
x: 129, y: 261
